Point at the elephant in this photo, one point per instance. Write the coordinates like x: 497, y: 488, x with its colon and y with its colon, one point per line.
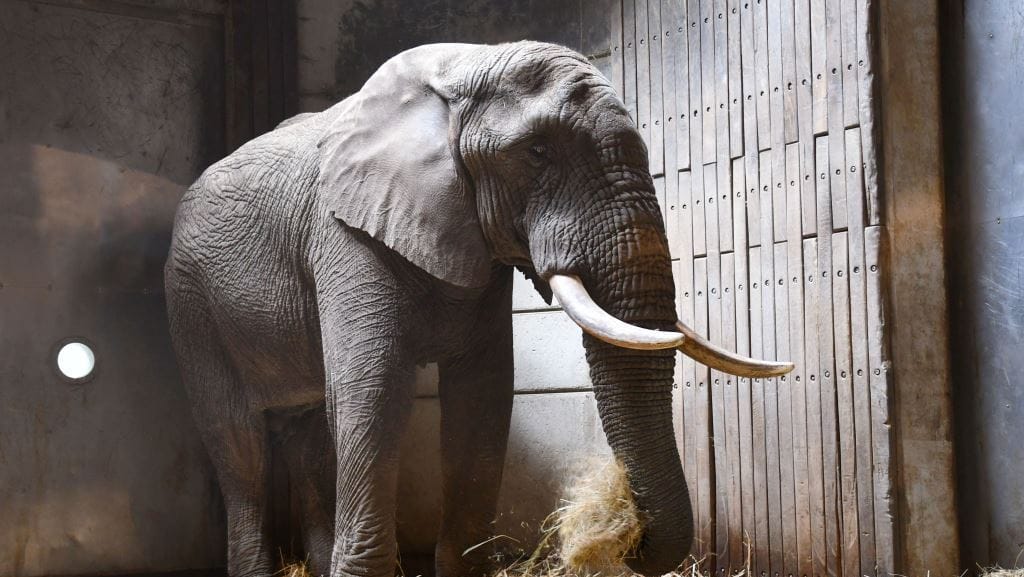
x: 321, y: 262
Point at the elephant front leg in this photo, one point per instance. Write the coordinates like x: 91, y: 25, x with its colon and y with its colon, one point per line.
x: 476, y: 408
x: 369, y: 397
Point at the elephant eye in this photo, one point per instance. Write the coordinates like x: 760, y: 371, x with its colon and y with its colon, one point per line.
x: 539, y: 153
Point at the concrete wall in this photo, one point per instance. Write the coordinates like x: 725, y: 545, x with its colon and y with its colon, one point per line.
x: 983, y: 83
x: 105, y: 116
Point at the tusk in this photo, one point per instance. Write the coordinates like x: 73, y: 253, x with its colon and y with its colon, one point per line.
x: 705, y: 352
x: 573, y: 297
x: 576, y: 302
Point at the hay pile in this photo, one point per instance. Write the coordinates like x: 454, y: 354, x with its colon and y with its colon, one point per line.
x: 1000, y: 572
x: 593, y: 533
x: 599, y: 526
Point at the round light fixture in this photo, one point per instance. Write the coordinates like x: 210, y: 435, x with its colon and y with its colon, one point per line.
x: 76, y: 361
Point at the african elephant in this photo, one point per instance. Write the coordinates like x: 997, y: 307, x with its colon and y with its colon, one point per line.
x: 323, y: 261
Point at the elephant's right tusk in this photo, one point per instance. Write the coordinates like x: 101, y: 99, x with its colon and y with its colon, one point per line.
x: 705, y: 352
x: 576, y: 302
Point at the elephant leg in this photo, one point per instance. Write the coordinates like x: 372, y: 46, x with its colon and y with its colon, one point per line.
x: 369, y: 398
x: 234, y: 433
x: 314, y: 480
x: 239, y: 452
x: 476, y: 408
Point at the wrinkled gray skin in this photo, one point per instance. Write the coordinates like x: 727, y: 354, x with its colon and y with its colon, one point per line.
x: 326, y: 259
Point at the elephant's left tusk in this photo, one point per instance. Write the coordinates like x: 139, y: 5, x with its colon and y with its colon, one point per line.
x: 576, y: 302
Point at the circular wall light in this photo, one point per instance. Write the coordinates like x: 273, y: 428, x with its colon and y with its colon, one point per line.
x: 76, y: 361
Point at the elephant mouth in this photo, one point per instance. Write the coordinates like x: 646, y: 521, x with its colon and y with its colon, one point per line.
x: 597, y: 322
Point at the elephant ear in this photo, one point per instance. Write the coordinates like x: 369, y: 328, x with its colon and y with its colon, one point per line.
x: 389, y: 166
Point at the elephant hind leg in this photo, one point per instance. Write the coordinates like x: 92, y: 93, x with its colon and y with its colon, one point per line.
x: 311, y: 465
x: 235, y: 436
x: 239, y: 452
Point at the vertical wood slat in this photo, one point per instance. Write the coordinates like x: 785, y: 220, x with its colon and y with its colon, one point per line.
x: 694, y: 85
x: 859, y: 350
x: 617, y: 63
x: 750, y: 119
x: 812, y: 403
x: 722, y: 152
x: 708, y: 80
x: 717, y: 391
x: 735, y: 93
x: 711, y: 271
x: 783, y: 385
x: 629, y: 93
x: 705, y: 458
x: 687, y: 313
x: 711, y: 207
x: 789, y: 81
x: 643, y: 71
x: 766, y: 198
x: 655, y: 41
x: 805, y: 114
x: 794, y: 260
x: 681, y: 54
x: 697, y: 208
x: 881, y: 388
x: 778, y: 190
x: 742, y: 310
x: 723, y: 204
x: 866, y: 19
x: 819, y: 86
x: 851, y: 96
x: 650, y: 14
x: 730, y: 329
x: 667, y: 12
x: 826, y: 369
x: 776, y: 97
x: 768, y: 347
x: 762, y: 98
x: 835, y: 124
x: 748, y: 71
x: 723, y: 130
x: 850, y: 552
x: 762, y: 543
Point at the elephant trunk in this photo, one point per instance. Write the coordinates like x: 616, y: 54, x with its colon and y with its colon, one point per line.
x: 633, y: 388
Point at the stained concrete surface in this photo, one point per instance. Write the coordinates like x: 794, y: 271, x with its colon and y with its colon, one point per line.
x: 103, y: 122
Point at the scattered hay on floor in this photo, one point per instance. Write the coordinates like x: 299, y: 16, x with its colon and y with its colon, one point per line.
x: 294, y: 569
x: 593, y: 533
x: 1000, y: 572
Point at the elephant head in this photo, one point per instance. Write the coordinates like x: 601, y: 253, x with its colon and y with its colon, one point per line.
x: 523, y: 154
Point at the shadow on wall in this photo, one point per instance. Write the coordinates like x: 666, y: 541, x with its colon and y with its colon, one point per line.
x: 96, y: 475
x: 104, y: 119
x: 341, y: 44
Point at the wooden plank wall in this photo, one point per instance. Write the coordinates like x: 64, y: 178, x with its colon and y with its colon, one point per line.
x: 752, y: 113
